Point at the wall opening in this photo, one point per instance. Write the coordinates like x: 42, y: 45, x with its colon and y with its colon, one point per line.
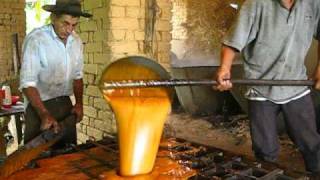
x: 35, y: 15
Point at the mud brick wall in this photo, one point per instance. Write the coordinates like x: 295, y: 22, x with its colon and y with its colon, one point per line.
x: 12, y: 20
x: 118, y: 28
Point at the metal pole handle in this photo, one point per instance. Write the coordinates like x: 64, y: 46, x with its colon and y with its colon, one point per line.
x: 206, y: 82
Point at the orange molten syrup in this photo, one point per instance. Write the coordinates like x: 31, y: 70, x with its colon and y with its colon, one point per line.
x: 140, y: 115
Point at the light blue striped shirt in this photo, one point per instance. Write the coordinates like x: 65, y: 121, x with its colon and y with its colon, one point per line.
x: 49, y: 65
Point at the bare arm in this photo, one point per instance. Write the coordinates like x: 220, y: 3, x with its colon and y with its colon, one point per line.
x: 227, y: 56
x: 223, y: 75
x: 47, y: 121
x: 78, y: 93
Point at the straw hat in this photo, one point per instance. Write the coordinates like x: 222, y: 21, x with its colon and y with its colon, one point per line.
x: 72, y: 7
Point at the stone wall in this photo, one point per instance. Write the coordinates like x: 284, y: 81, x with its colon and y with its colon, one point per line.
x: 12, y: 20
x: 118, y: 28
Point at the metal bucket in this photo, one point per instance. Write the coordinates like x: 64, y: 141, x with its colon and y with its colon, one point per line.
x: 203, y: 100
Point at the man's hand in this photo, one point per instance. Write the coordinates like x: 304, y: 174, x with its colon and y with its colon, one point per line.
x: 48, y: 122
x: 78, y: 111
x: 223, y: 74
x: 223, y: 79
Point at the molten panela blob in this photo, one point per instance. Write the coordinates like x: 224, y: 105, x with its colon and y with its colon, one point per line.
x: 165, y: 169
x: 140, y: 115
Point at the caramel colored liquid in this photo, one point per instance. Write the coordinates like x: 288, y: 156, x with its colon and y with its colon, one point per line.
x: 165, y: 169
x: 140, y: 115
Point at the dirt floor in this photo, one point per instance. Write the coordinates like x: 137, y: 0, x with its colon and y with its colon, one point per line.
x: 232, y: 135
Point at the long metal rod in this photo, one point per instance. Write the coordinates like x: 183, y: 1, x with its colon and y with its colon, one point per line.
x: 203, y: 82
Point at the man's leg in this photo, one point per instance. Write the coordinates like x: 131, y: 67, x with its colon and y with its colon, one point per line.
x: 302, y: 129
x: 263, y: 116
x: 60, y: 108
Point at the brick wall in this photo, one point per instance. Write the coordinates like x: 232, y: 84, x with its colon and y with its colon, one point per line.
x: 12, y: 20
x: 118, y: 28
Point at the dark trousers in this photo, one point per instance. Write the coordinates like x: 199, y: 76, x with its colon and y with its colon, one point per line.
x: 299, y: 116
x: 59, y: 108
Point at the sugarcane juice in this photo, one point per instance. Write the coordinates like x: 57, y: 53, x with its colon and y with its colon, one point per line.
x: 140, y: 115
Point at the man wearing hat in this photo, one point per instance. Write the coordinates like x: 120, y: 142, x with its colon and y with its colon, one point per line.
x: 52, y: 71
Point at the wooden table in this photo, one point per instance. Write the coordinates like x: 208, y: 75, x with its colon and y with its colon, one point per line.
x: 16, y: 111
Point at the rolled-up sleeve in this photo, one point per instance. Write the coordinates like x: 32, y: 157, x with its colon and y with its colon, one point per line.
x: 243, y: 31
x: 78, y: 73
x: 30, y: 64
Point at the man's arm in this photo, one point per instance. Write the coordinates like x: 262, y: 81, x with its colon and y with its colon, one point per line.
x: 47, y: 121
x: 223, y: 75
x: 78, y: 93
